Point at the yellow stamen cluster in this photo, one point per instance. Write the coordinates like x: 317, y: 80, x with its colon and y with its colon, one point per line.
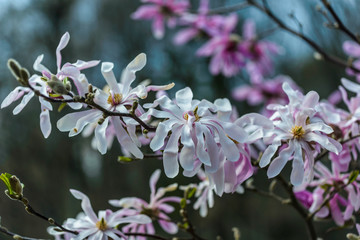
x: 116, y: 100
x: 101, y: 225
x: 297, y: 132
x: 186, y: 116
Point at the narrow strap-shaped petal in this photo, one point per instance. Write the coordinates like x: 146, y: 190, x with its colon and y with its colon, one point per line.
x: 85, y: 205
x: 128, y: 75
x: 100, y: 135
x: 107, y: 72
x: 62, y: 44
x: 45, y: 124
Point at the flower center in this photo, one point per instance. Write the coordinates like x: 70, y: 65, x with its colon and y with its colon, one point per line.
x: 101, y: 225
x: 297, y: 132
x: 114, y: 99
x: 192, y: 113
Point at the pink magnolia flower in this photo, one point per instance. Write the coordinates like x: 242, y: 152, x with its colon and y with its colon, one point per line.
x: 353, y: 50
x: 157, y: 208
x: 263, y: 91
x: 160, y: 11
x: 327, y: 182
x: 257, y: 52
x: 299, y: 132
x: 225, y: 50
x: 198, y: 130
x: 198, y: 24
x: 102, y: 226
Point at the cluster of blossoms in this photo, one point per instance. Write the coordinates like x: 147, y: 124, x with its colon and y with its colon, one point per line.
x: 204, y: 138
x: 229, y: 51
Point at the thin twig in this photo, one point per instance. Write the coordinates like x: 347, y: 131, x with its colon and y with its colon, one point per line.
x: 339, y: 24
x: 228, y: 9
x: 295, y: 203
x: 16, y: 236
x: 266, y: 10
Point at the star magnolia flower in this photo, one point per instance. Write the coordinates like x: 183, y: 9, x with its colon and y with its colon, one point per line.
x: 198, y: 130
x: 157, y: 208
x: 224, y: 49
x: 160, y: 11
x: 296, y: 126
x: 115, y: 99
x: 39, y: 83
x: 104, y: 225
x: 204, y: 193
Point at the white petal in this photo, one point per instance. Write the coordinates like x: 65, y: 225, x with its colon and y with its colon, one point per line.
x: 279, y: 162
x: 100, y: 135
x: 183, y: 98
x: 23, y: 103
x: 107, y: 72
x: 45, y: 124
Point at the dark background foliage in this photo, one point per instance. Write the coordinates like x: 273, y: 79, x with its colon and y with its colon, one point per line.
x: 103, y: 29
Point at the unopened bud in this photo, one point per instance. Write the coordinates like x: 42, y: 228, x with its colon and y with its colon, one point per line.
x: 14, y: 67
x: 57, y: 86
x: 318, y: 56
x: 90, y: 88
x: 51, y: 221
x: 352, y: 236
x: 68, y: 86
x: 16, y: 185
x: 17, y: 237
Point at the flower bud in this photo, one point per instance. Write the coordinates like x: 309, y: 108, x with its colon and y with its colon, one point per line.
x: 57, y: 86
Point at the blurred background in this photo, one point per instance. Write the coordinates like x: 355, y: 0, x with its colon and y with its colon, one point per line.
x: 103, y: 30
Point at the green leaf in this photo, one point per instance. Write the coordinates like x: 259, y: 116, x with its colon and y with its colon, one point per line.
x: 6, y: 179
x: 61, y: 107
x: 123, y: 159
x: 353, y: 175
x: 183, y: 203
x: 191, y: 192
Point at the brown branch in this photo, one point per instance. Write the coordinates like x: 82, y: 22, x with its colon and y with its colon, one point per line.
x: 266, y: 10
x: 16, y: 236
x: 339, y: 24
x: 295, y: 203
x: 228, y: 9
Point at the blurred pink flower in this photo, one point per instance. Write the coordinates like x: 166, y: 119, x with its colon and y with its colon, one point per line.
x: 160, y: 11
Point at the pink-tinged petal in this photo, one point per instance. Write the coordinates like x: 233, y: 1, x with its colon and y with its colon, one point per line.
x: 158, y: 27
x: 249, y: 30
x: 324, y: 141
x: 68, y: 122
x: 100, y: 135
x: 145, y: 12
x: 229, y: 147
x: 213, y: 151
x: 184, y: 36
x: 128, y: 75
x: 162, y: 131
x: 218, y: 179
x: 23, y: 103
x: 183, y: 98
x: 351, y: 48
x: 230, y: 23
x: 84, y: 65
x: 310, y: 100
x: 216, y: 64
x: 168, y: 227
x: 62, y: 44
x: 358, y: 228
x: 124, y: 139
x: 107, y: 72
x: 170, y: 155
x: 45, y: 124
x: 319, y: 126
x: 209, y: 47
x: 187, y: 157
x: 336, y: 213
x: 140, y: 219
x: 201, y: 152
x: 85, y: 205
x: 84, y: 234
x: 297, y: 173
x: 38, y: 66
x: 153, y: 180
x: 14, y: 95
x: 279, y: 162
x: 351, y: 86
